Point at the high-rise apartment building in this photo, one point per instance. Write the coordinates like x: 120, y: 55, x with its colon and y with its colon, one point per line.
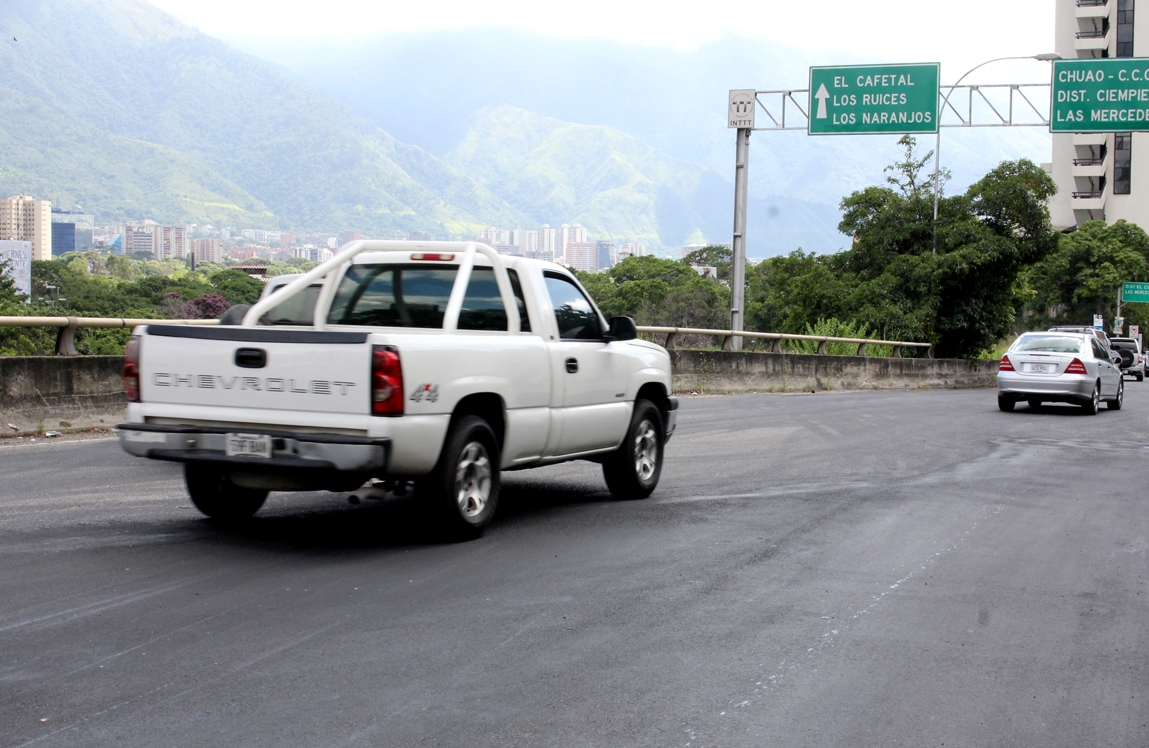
x: 548, y: 240
x: 1100, y: 176
x: 633, y: 249
x: 572, y: 233
x: 24, y: 219
x: 207, y: 250
x: 581, y: 256
x: 160, y: 240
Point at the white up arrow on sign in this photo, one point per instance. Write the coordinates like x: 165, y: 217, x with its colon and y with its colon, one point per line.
x: 821, y: 96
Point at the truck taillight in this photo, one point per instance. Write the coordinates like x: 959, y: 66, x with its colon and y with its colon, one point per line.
x: 132, y: 370
x: 1075, y: 367
x: 386, y: 381
x: 1006, y: 364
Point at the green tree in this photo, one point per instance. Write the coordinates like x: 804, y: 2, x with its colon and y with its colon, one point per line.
x: 1083, y: 275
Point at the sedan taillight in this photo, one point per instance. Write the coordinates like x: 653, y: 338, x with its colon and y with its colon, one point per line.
x: 386, y: 382
x: 1006, y: 364
x: 131, y: 371
x: 1075, y: 367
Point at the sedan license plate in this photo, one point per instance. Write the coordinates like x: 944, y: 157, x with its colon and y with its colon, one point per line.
x: 248, y: 445
x: 1039, y: 368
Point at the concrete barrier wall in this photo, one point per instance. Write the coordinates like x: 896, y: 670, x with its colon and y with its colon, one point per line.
x: 723, y: 371
x: 61, y: 393
x: 74, y: 393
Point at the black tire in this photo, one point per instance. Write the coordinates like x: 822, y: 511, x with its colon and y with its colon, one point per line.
x: 1140, y: 376
x: 215, y: 495
x: 462, y: 492
x: 632, y: 471
x: 1117, y: 402
x: 1005, y: 403
x: 1127, y: 358
x: 234, y: 315
x: 1034, y: 402
x: 1091, y: 405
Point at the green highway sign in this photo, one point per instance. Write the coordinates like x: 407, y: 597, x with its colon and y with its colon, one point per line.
x: 1134, y: 291
x: 1108, y: 94
x: 870, y: 99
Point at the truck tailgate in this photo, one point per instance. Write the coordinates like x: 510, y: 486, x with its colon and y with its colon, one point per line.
x: 282, y: 369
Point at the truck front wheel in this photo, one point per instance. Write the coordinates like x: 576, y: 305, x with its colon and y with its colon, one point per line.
x: 215, y: 495
x: 632, y: 471
x: 463, y: 490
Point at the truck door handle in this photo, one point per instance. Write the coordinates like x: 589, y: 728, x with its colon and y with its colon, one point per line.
x: 572, y: 366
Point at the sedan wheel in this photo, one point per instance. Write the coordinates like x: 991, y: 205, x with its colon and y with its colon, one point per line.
x: 1094, y: 401
x: 1117, y: 402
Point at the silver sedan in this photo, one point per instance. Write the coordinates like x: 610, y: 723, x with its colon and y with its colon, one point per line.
x: 1064, y: 367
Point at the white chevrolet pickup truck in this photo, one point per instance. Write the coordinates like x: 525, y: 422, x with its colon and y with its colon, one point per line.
x: 437, y: 363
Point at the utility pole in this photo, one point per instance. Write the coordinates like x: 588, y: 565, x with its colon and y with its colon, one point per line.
x: 738, y: 260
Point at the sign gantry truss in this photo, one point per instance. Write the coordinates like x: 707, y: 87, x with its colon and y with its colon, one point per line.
x: 992, y: 105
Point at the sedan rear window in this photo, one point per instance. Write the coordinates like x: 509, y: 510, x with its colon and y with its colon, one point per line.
x: 1048, y: 343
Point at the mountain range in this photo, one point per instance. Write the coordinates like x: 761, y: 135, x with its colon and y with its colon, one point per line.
x: 118, y: 107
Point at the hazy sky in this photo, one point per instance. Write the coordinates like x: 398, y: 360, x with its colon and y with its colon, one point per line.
x: 957, y: 33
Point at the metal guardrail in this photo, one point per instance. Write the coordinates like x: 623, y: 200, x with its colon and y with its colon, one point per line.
x: 66, y: 336
x: 778, y: 337
x: 67, y: 326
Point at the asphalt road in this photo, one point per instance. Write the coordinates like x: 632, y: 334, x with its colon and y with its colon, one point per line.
x: 888, y: 568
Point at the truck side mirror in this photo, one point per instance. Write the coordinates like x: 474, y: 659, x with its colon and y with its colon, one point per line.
x: 622, y: 328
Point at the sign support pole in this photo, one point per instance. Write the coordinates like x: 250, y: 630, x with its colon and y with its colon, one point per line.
x: 738, y: 246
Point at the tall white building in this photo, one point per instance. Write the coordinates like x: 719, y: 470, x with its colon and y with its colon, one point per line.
x: 1100, y: 176
x: 548, y: 243
x: 149, y: 236
x: 632, y: 249
x: 24, y: 219
x: 572, y: 233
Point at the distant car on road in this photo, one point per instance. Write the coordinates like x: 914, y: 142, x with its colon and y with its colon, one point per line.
x: 1067, y: 367
x: 1132, y: 359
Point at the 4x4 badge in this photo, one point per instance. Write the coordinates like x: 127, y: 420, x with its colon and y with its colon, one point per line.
x: 428, y: 392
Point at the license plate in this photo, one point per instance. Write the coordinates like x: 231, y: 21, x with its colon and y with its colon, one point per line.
x: 248, y: 445
x: 1039, y: 368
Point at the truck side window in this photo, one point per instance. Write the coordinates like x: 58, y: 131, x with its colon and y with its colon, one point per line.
x: 576, y: 317
x: 517, y: 288
x: 483, y: 305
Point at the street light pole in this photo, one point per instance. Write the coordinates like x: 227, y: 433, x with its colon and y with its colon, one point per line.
x: 738, y: 247
x: 1044, y: 57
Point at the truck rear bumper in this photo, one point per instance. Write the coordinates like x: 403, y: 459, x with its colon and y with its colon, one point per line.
x: 291, y: 451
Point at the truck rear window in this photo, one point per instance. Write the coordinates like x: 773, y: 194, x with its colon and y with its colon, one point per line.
x: 416, y: 296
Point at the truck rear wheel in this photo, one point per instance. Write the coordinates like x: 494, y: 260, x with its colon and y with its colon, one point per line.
x: 632, y: 471
x: 215, y: 495
x: 462, y: 492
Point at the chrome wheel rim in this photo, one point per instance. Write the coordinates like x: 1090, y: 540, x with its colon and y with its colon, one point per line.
x: 1096, y: 396
x: 1120, y: 392
x: 645, y: 450
x: 473, y: 479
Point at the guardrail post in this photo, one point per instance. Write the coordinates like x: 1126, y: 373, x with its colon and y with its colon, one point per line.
x: 66, y: 338
x: 777, y: 347
x: 669, y: 341
x: 727, y: 344
x: 821, y: 348
x: 861, y: 349
x: 930, y: 351
x: 897, y: 352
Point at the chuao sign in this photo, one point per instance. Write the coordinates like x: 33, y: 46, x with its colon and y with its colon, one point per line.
x: 1100, y: 95
x: 871, y: 99
x: 19, y: 258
